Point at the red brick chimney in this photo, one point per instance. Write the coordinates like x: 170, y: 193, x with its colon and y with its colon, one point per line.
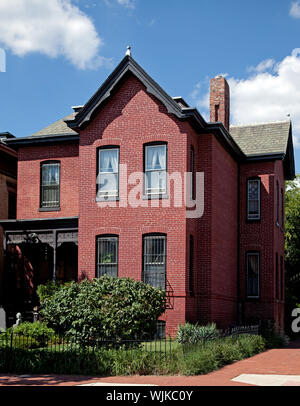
x: 219, y: 100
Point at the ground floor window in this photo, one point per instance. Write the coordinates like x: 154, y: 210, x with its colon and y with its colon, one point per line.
x: 252, y: 262
x: 154, y: 260
x: 160, y: 329
x: 107, y: 256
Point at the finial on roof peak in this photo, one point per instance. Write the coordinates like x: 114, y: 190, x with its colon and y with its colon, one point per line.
x: 128, y: 52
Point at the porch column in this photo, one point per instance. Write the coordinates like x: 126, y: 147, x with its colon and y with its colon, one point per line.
x: 54, y: 255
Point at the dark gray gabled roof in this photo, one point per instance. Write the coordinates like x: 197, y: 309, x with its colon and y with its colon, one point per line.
x: 266, y: 141
x: 57, y: 128
x: 264, y: 138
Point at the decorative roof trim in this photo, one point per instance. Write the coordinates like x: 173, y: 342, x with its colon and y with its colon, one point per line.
x: 127, y: 65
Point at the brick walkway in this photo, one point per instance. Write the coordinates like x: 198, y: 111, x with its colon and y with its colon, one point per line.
x: 284, y: 361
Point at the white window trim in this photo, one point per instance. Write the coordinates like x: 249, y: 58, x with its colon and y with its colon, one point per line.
x: 109, y: 193
x: 149, y: 191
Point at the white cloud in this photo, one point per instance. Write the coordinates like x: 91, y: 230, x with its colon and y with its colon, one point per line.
x: 265, y: 96
x: 126, y: 3
x: 295, y: 9
x: 263, y: 66
x: 53, y: 28
x: 130, y: 4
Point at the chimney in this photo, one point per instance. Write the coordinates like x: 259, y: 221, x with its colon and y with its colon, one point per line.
x: 219, y: 101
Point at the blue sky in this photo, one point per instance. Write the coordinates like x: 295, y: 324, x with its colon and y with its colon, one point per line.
x: 60, y: 51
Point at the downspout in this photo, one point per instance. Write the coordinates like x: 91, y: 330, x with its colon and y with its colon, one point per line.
x: 239, y: 304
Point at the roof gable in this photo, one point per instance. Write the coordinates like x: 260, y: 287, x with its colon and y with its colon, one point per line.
x: 126, y: 66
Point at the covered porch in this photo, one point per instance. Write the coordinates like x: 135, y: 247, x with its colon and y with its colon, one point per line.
x: 36, y: 251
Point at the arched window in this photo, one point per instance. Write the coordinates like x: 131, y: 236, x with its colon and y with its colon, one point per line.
x: 155, y: 260
x: 107, y: 247
x: 108, y: 172
x: 253, y: 199
x: 155, y: 168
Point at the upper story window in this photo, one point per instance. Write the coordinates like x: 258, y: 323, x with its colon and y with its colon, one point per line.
x: 155, y: 260
x: 192, y: 170
x: 107, y: 255
x: 253, y: 265
x: 108, y: 172
x: 50, y: 184
x: 155, y: 169
x: 253, y: 199
x: 277, y: 203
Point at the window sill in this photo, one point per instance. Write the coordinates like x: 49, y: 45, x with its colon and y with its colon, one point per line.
x: 249, y: 221
x: 49, y: 209
x: 252, y: 299
x: 107, y: 199
x: 155, y: 197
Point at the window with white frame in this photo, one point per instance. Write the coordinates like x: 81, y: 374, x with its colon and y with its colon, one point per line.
x: 253, y: 265
x: 253, y: 199
x: 108, y: 173
x: 155, y: 169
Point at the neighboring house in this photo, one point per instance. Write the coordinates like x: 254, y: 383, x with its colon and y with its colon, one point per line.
x: 8, y: 190
x: 226, y: 265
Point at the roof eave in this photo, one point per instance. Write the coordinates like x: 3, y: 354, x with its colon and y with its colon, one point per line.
x: 16, y: 143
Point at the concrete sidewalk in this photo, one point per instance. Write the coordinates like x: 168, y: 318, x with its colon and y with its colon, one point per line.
x: 284, y: 362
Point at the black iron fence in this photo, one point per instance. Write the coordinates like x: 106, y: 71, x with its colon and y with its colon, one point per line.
x: 51, y: 353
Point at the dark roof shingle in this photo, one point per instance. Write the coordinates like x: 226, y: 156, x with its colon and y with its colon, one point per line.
x: 264, y: 138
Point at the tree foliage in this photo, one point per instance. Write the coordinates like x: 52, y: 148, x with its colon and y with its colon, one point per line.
x: 292, y: 248
x: 105, y: 308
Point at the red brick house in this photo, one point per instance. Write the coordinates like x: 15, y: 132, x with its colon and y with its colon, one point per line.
x: 224, y: 264
x: 8, y: 189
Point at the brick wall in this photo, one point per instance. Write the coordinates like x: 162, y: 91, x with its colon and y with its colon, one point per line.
x: 131, y: 118
x: 29, y: 161
x: 263, y: 236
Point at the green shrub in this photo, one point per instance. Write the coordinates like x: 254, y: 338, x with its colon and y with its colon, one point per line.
x: 106, y: 308
x: 48, y: 289
x: 193, y: 333
x: 220, y: 352
x: 274, y: 337
x: 31, y: 335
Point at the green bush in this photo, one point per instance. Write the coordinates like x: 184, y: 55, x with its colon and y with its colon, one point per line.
x: 31, y: 335
x: 218, y: 353
x: 194, y: 333
x: 105, y: 308
x: 274, y: 338
x: 48, y: 289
